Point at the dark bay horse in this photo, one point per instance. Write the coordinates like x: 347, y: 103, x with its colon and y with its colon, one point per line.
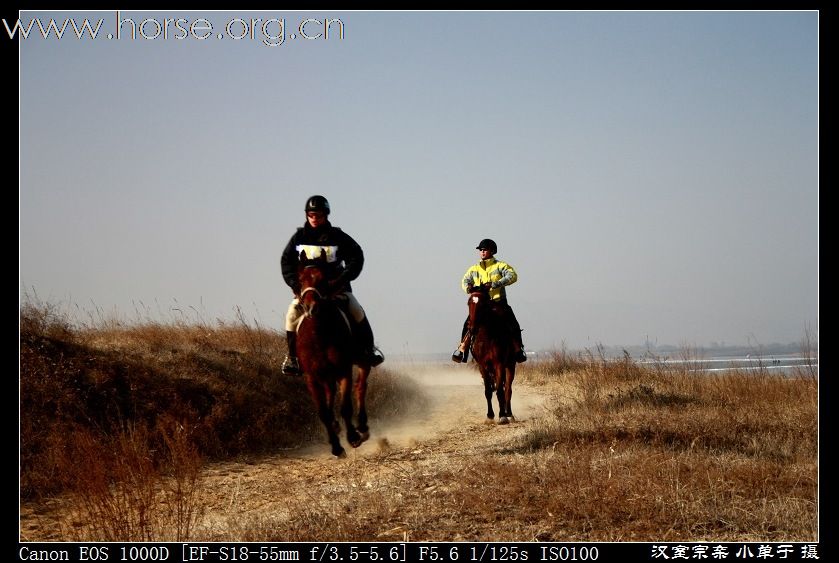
x: 494, y: 351
x: 325, y: 349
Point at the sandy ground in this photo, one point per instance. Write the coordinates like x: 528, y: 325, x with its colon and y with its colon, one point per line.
x: 235, y: 495
x: 455, y: 425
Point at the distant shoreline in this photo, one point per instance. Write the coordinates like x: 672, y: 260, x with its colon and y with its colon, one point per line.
x: 662, y: 354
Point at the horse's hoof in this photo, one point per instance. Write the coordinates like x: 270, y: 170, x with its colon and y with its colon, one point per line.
x: 503, y: 420
x: 354, y: 439
x: 339, y: 453
x: 358, y: 439
x: 489, y: 420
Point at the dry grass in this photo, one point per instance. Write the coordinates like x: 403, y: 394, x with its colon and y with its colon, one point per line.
x: 122, y: 418
x: 629, y: 453
x: 672, y: 454
x: 122, y: 490
x: 221, y: 383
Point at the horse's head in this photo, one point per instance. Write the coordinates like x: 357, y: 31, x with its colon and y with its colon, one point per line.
x: 478, y: 303
x: 311, y: 273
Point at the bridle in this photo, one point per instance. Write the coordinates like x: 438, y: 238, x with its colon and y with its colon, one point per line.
x: 307, y: 310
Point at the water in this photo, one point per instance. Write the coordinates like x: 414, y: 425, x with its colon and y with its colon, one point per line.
x: 773, y: 364
x: 781, y: 364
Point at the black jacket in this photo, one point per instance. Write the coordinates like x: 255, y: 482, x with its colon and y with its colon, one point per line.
x: 344, y: 256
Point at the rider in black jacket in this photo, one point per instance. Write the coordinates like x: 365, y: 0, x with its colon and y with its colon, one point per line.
x: 345, y: 260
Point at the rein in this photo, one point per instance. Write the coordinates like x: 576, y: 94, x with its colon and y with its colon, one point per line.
x: 308, y: 289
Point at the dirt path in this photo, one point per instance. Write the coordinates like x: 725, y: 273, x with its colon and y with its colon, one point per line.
x: 455, y: 426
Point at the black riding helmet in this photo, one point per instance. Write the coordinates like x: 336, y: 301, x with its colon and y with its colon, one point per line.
x: 487, y: 244
x: 317, y: 203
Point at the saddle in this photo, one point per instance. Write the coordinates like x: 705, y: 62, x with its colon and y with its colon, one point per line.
x: 344, y: 307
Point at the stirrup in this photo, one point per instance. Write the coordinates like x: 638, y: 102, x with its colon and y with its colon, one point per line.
x: 457, y: 356
x: 375, y: 357
x: 290, y: 366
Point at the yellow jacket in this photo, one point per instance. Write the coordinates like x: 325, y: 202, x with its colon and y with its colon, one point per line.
x: 496, y: 272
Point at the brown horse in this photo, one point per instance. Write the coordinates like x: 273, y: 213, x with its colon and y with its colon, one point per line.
x: 494, y: 351
x: 326, y: 352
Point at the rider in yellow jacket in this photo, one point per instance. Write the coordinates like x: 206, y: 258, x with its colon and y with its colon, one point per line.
x: 497, y: 275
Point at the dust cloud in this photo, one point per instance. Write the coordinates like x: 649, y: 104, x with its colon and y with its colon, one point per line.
x: 455, y: 398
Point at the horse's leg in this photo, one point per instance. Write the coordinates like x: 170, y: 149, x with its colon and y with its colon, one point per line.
x: 334, y: 440
x: 510, y: 373
x: 346, y: 410
x: 324, y: 396
x: 488, y: 389
x: 501, y: 393
x: 360, y: 391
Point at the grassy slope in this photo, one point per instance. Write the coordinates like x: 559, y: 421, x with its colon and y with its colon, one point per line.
x: 218, y: 386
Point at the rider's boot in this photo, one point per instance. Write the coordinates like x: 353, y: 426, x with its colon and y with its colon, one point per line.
x: 514, y: 322
x: 290, y: 363
x: 367, y: 350
x: 520, y: 355
x: 461, y: 355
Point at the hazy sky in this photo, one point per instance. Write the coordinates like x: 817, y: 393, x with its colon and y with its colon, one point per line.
x: 650, y: 175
